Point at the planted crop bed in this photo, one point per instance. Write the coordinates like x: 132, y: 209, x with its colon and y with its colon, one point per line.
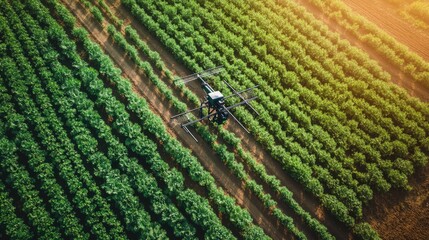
x: 89, y: 151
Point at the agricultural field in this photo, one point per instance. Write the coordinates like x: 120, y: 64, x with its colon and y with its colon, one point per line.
x: 339, y: 149
x: 414, y: 11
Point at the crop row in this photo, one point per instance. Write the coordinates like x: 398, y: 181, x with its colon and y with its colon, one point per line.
x: 159, y: 204
x: 419, y: 11
x: 392, y: 174
x: 219, y: 148
x: 386, y: 45
x: 98, y: 56
x: 298, y: 173
x: 373, y: 113
x: 103, y: 169
x: 13, y: 225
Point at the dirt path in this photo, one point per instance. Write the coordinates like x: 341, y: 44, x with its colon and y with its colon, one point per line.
x: 382, y: 221
x: 397, y: 214
x: 386, y: 17
x: 207, y: 157
x: 400, y: 214
x: 307, y: 201
x: 413, y: 88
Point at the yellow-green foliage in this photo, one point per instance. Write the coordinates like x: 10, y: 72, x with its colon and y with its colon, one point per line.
x: 414, y: 11
x: 419, y: 10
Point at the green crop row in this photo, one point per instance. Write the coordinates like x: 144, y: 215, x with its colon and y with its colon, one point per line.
x: 303, y: 174
x: 368, y: 32
x: 73, y: 171
x: 230, y: 162
x: 133, y: 141
x: 120, y: 187
x: 159, y: 203
x: 13, y: 225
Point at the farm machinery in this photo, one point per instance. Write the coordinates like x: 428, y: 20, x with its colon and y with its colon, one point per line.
x: 214, y: 102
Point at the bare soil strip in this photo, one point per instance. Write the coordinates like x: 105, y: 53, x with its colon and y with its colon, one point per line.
x: 400, y: 214
x: 207, y: 157
x: 307, y: 201
x: 203, y: 151
x: 414, y: 88
x: 397, y: 214
x: 386, y: 17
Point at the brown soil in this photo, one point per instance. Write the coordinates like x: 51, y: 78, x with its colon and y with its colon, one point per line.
x: 307, y: 201
x: 207, y: 157
x: 398, y: 214
x: 210, y: 161
x: 413, y: 87
x: 387, y: 18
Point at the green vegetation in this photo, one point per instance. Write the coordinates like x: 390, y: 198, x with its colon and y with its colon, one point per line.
x: 227, y: 157
x: 87, y: 158
x: 417, y: 13
x: 77, y: 109
x: 409, y: 62
x: 355, y: 115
